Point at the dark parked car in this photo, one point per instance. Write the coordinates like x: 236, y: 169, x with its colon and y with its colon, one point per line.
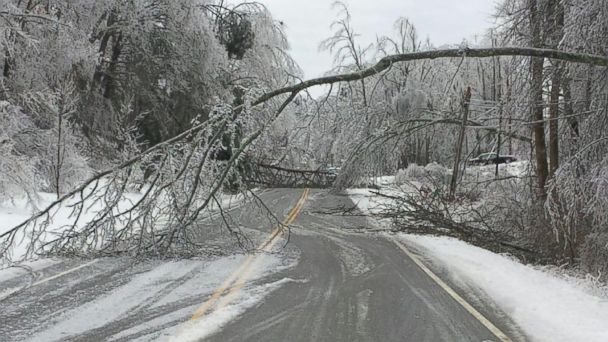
x: 332, y: 171
x: 491, y: 158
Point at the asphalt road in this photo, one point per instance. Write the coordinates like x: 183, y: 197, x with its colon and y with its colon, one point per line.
x: 355, y: 287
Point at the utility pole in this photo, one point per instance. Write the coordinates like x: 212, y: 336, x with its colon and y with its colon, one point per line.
x: 466, y: 100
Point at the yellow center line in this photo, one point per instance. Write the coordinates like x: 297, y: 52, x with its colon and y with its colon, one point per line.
x: 239, y: 277
x: 267, y: 248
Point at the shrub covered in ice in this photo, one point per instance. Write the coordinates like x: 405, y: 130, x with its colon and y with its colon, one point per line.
x: 431, y: 173
x: 17, y: 170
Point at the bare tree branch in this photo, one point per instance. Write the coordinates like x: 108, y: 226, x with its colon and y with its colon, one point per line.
x: 386, y: 62
x: 292, y: 92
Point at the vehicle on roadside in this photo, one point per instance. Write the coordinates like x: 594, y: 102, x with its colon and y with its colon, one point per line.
x: 491, y: 158
x: 331, y: 171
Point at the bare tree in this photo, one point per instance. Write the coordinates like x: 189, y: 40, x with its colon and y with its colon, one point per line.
x: 344, y: 46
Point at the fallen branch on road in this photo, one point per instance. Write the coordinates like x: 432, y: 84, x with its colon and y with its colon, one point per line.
x: 186, y: 165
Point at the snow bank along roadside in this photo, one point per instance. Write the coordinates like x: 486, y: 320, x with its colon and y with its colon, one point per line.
x: 548, y: 306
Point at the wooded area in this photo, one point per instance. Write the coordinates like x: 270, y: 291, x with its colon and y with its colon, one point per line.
x: 173, y: 101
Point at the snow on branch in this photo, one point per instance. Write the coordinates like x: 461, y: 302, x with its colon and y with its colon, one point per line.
x: 387, y: 61
x: 183, y: 162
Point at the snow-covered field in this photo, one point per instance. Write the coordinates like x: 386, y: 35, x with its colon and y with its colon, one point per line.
x: 546, y: 303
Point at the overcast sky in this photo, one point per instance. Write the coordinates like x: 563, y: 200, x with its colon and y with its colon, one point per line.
x: 443, y: 21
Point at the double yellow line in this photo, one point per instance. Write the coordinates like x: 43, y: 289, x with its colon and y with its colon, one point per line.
x: 238, y: 278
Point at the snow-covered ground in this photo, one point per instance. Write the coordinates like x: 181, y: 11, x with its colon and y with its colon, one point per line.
x: 516, y: 169
x: 159, y: 287
x: 15, y: 212
x: 367, y: 201
x: 547, y: 304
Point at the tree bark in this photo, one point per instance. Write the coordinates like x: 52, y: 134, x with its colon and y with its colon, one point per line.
x: 109, y: 85
x: 569, y: 110
x: 555, y: 16
x: 536, y: 99
x: 59, y: 158
x: 554, y: 123
x: 387, y: 61
x: 509, y: 120
x: 6, y: 70
x: 498, y: 97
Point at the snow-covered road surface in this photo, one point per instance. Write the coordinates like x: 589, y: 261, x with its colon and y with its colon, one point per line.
x: 330, y: 283
x: 113, y: 299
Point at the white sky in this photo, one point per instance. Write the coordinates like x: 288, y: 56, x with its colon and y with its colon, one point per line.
x: 443, y: 21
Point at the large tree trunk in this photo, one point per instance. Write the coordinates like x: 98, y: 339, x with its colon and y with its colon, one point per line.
x: 105, y: 71
x: 569, y: 110
x: 555, y: 16
x: 553, y: 123
x: 498, y: 98
x: 509, y: 119
x: 110, y: 80
x: 97, y: 76
x: 536, y: 97
x: 6, y: 70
